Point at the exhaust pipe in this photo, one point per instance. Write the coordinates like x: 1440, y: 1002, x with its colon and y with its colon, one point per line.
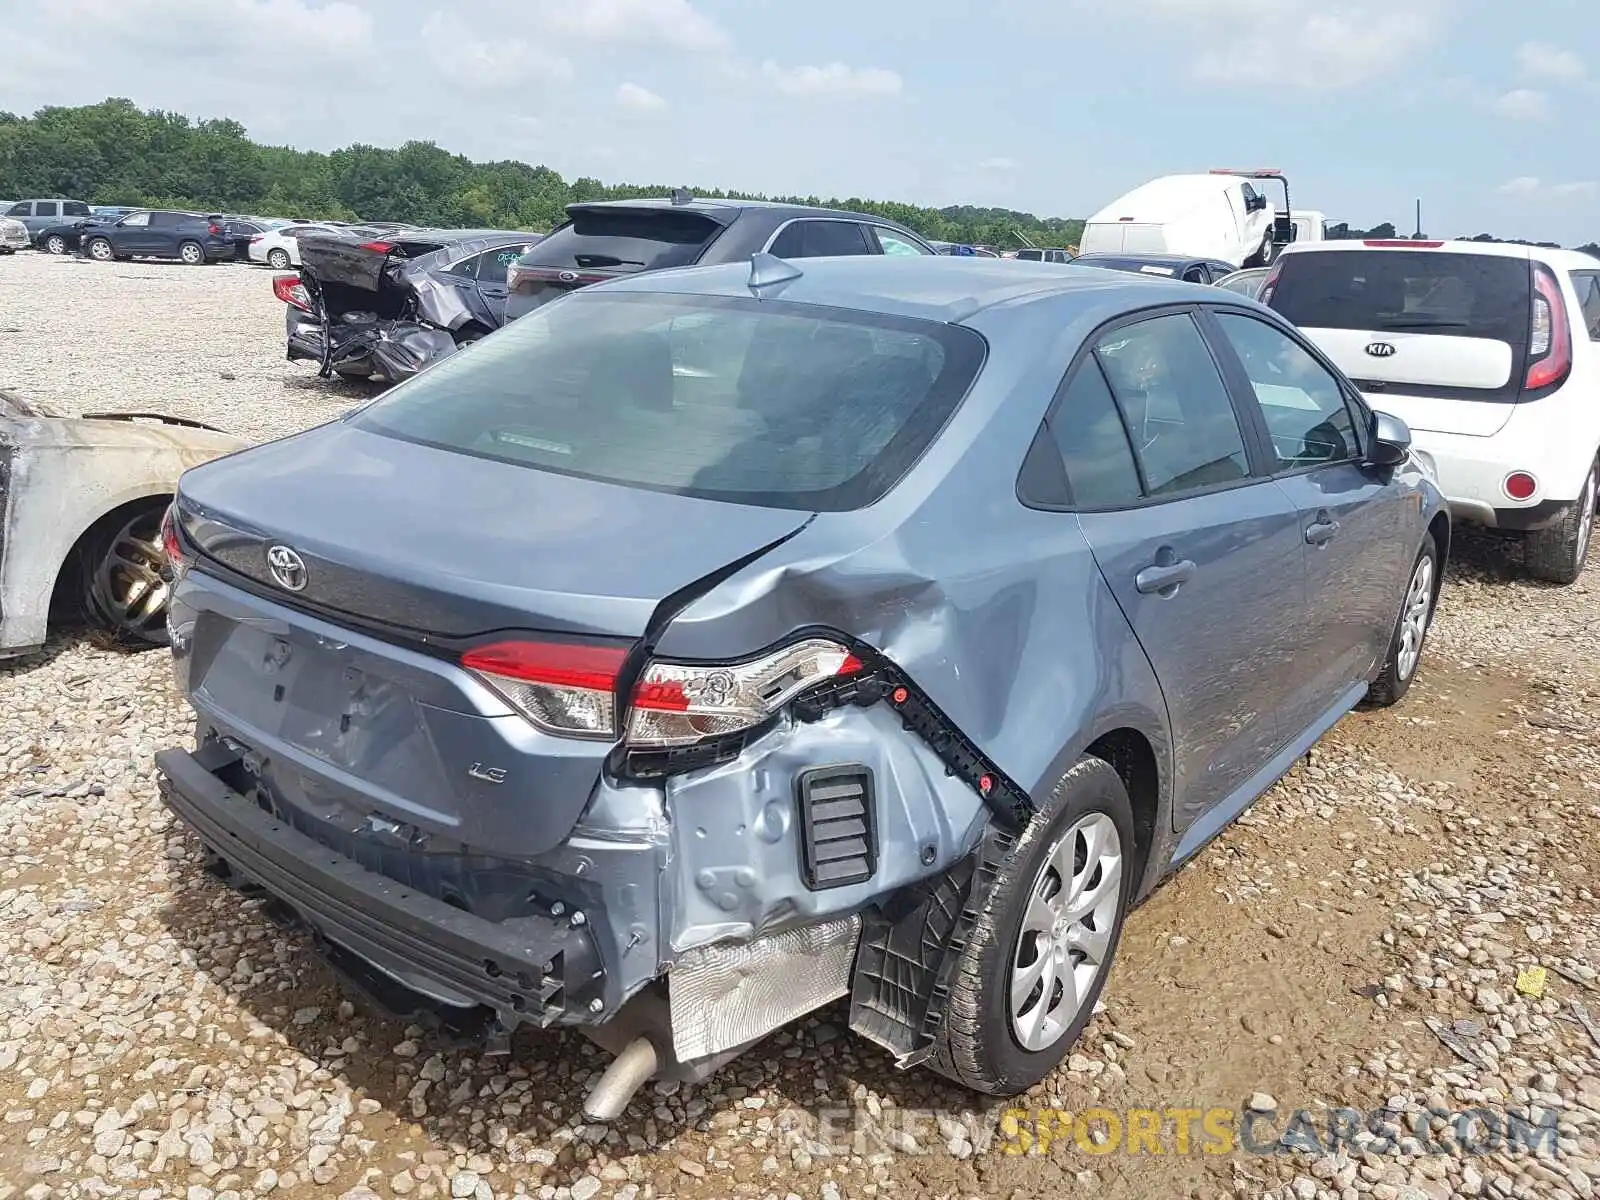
x: 628, y: 1072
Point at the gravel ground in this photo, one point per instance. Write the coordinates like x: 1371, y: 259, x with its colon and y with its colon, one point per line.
x: 1355, y: 941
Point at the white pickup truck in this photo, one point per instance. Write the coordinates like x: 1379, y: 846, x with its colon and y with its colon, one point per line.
x: 1222, y: 214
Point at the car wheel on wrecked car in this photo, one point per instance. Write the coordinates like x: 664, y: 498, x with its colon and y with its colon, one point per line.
x: 192, y: 254
x: 55, y: 244
x: 1028, y: 978
x: 127, y: 581
x: 278, y: 260
x: 1410, y: 631
x: 100, y: 250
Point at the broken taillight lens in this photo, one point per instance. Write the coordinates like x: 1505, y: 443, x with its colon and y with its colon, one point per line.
x: 679, y: 704
x: 378, y: 247
x: 565, y: 688
x: 290, y: 290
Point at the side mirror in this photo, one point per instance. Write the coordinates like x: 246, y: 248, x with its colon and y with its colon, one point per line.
x: 1391, y: 441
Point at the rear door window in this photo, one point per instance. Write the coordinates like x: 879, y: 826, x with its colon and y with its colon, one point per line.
x: 1179, y: 416
x: 891, y: 242
x: 166, y: 220
x: 1088, y: 431
x: 1587, y: 284
x: 1407, y: 291
x: 752, y: 401
x: 821, y: 239
x: 74, y: 208
x: 47, y: 208
x: 493, y: 264
x: 629, y: 239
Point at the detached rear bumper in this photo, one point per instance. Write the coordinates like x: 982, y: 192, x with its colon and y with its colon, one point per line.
x: 536, y: 969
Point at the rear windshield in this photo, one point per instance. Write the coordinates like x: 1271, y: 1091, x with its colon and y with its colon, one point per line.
x: 632, y: 239
x: 1398, y: 291
x: 756, y: 402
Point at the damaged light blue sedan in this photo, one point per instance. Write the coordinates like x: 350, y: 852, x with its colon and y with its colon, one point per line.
x: 718, y: 643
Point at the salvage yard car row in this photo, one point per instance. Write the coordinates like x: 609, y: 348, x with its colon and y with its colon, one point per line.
x: 762, y: 525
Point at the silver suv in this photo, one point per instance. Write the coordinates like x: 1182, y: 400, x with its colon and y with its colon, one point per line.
x: 36, y: 215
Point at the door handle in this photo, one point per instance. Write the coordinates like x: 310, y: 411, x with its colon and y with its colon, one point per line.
x: 1322, y: 530
x: 1164, y: 578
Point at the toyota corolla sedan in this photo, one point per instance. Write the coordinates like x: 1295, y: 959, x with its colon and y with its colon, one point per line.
x: 787, y: 631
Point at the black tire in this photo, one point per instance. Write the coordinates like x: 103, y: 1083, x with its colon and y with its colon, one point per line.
x: 278, y: 260
x: 192, y: 254
x: 124, y: 579
x: 55, y: 244
x: 977, y: 1045
x: 1400, y: 669
x: 1558, y: 553
x: 1263, y: 256
x: 100, y: 250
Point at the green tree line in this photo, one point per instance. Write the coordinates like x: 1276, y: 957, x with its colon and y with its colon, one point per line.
x: 115, y: 153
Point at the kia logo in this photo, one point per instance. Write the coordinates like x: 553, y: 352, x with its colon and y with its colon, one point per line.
x: 288, y: 568
x: 1381, y: 350
x: 568, y: 277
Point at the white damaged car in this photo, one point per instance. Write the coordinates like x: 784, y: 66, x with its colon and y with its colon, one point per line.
x: 81, y: 501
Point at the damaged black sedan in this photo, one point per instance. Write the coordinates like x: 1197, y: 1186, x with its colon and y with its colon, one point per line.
x: 382, y: 306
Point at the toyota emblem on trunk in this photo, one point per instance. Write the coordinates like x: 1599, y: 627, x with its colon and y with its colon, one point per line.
x: 568, y: 277
x: 287, y: 567
x: 1380, y: 349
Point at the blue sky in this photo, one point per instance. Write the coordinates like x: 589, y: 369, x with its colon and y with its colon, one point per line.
x: 1483, y: 109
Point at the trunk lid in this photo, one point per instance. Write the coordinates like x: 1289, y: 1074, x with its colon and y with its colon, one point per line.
x: 604, y: 241
x: 1437, y: 337
x: 487, y: 545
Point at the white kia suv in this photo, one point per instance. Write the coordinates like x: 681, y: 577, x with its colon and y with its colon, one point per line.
x: 1489, y: 352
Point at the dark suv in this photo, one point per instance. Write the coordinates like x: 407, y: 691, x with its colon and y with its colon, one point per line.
x: 157, y: 233
x: 609, y: 238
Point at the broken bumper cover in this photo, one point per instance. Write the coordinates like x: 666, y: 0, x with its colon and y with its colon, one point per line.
x: 536, y: 970
x: 388, y: 350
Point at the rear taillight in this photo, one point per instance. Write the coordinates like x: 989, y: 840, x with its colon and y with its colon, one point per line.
x: 678, y: 704
x: 260, y: 237
x: 569, y: 689
x: 378, y: 247
x: 214, y: 230
x: 290, y: 290
x: 1271, y: 283
x: 1549, y: 338
x: 565, y: 688
x: 170, y: 545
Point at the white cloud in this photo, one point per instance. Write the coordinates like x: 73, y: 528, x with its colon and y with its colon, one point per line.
x: 632, y: 96
x: 674, y: 23
x: 1544, y: 61
x: 1303, y: 44
x: 1530, y: 187
x: 333, y: 30
x: 1523, y: 104
x: 487, y: 64
x: 835, y: 79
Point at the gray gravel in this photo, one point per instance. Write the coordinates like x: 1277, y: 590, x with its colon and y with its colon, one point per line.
x: 1355, y: 940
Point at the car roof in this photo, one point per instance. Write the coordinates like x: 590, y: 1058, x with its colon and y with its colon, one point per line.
x: 1176, y: 261
x: 1169, y: 195
x: 1571, y: 260
x: 725, y: 210
x: 930, y: 287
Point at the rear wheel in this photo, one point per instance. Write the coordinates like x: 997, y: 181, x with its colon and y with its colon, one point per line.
x: 1263, y: 256
x: 278, y: 260
x: 100, y: 250
x: 55, y: 244
x: 1557, y: 554
x: 1028, y: 978
x: 126, y: 580
x: 191, y: 254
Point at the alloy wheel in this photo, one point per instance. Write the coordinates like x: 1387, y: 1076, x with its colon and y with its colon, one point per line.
x: 131, y: 582
x: 1415, y: 617
x: 100, y: 250
x: 1065, y: 939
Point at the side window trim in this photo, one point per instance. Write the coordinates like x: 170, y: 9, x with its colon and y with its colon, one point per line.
x: 1242, y: 390
x: 1248, y: 432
